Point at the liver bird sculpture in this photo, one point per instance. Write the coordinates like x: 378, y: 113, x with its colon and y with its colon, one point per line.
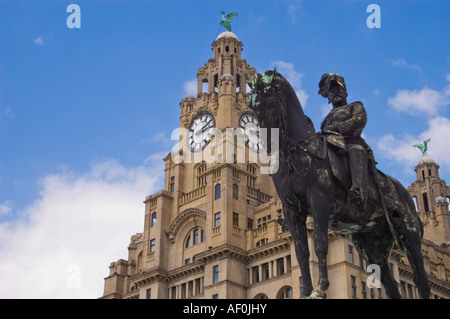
x: 423, y: 147
x: 226, y: 19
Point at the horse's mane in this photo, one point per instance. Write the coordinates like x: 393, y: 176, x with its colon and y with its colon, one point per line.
x: 283, y: 84
x: 272, y: 82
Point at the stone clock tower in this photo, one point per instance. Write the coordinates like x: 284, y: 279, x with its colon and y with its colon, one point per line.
x: 198, y: 229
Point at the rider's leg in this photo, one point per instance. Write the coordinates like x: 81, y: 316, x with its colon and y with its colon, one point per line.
x: 358, y: 160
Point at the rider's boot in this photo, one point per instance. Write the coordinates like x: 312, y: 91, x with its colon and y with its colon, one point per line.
x: 358, y: 160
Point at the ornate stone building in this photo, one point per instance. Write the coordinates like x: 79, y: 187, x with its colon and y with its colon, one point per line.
x: 215, y: 230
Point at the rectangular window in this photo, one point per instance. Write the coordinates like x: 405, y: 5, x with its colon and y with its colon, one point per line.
x: 187, y: 261
x: 152, y: 245
x: 216, y: 219
x: 249, y: 223
x: 190, y: 291
x: 149, y: 293
x: 363, y: 290
x: 203, y: 234
x: 280, y: 266
x: 235, y: 191
x: 153, y: 224
x: 172, y: 184
x: 361, y: 262
x: 235, y: 219
x: 217, y: 192
x: 255, y: 271
x: 425, y: 202
x: 215, y: 274
x: 265, y: 271
x: 216, y: 296
x: 350, y: 254
x: 353, y: 285
x: 197, y: 286
x: 301, y: 286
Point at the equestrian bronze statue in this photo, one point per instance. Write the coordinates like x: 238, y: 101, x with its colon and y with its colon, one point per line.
x: 331, y: 176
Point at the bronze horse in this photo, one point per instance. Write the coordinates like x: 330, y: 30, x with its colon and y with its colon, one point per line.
x: 313, y: 179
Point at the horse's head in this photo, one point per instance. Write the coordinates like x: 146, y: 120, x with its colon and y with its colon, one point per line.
x: 268, y: 98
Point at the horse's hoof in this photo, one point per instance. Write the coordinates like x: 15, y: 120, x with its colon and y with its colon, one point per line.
x: 318, y: 294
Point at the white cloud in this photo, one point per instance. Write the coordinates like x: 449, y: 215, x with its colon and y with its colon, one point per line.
x: 5, y: 208
x: 80, y: 224
x: 403, y: 63
x: 402, y: 150
x: 294, y: 10
x: 38, y: 41
x: 159, y: 138
x: 424, y: 102
x: 325, y: 109
x: 287, y: 69
x: 190, y: 87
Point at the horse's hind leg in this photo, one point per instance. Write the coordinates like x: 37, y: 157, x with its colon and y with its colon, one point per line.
x: 375, y: 248
x: 410, y: 230
x: 414, y: 254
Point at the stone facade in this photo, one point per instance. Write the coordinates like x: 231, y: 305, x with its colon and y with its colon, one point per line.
x: 216, y: 229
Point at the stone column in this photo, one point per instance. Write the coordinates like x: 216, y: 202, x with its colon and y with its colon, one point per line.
x: 285, y: 264
x: 270, y: 269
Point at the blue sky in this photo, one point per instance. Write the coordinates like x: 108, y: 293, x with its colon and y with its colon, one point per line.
x: 86, y: 114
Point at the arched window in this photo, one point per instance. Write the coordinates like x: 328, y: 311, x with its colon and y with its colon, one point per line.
x: 195, y: 237
x: 285, y: 293
x: 261, y: 242
x: 153, y: 224
x: 217, y: 191
x: 235, y: 191
x: 188, y: 241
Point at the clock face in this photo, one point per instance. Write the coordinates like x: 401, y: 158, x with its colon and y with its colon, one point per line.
x: 250, y: 125
x: 200, y: 131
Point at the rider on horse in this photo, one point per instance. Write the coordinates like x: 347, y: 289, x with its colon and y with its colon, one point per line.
x: 348, y: 120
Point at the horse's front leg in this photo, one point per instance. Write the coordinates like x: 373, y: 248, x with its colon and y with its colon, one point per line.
x: 297, y: 227
x: 320, y: 204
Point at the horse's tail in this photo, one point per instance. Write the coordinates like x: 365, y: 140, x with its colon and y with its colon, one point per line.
x: 407, y: 200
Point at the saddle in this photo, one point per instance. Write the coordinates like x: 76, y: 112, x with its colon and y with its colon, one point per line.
x: 332, y: 145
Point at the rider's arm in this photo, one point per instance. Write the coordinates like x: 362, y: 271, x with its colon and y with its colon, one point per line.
x: 356, y: 122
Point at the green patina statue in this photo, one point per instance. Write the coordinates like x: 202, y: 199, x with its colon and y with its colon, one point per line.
x: 226, y: 20
x: 423, y: 147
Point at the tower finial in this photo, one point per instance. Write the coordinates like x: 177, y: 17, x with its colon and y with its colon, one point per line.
x: 423, y: 147
x: 226, y: 19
